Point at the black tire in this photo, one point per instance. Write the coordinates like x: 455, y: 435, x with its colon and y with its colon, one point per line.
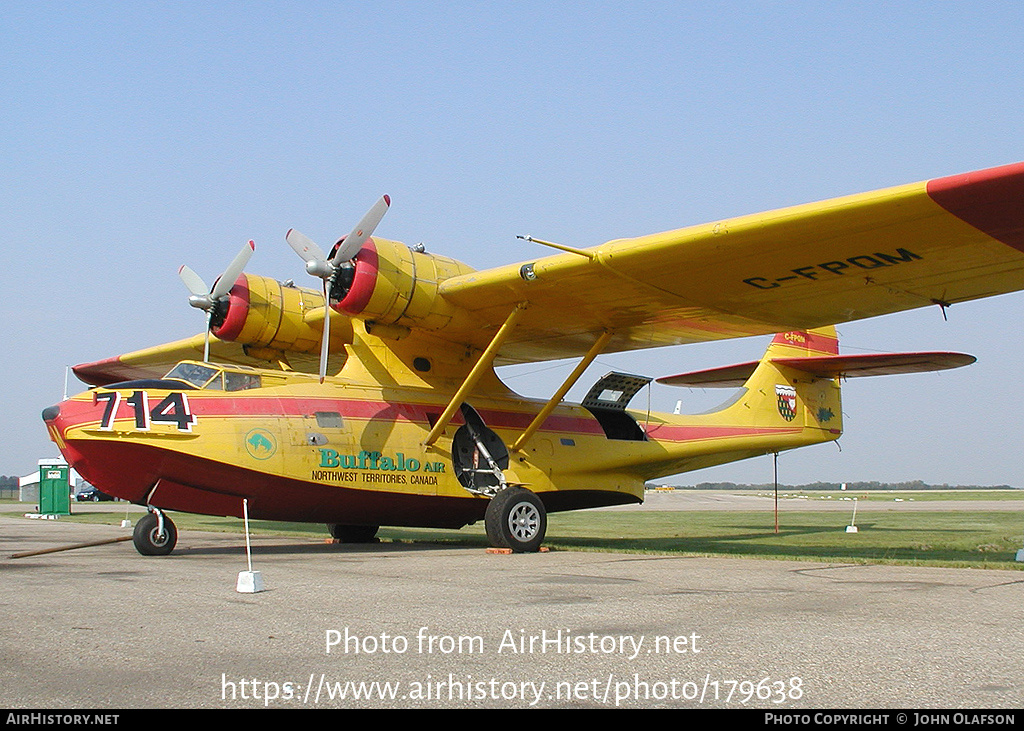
x: 353, y: 533
x: 148, y: 540
x: 516, y: 519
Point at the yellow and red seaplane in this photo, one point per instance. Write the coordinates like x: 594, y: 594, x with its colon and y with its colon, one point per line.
x: 373, y: 400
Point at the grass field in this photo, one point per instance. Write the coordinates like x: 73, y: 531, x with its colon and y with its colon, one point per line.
x: 905, y: 495
x: 982, y: 539
x: 978, y: 539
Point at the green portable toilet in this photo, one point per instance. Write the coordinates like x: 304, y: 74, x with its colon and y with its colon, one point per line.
x: 54, y: 489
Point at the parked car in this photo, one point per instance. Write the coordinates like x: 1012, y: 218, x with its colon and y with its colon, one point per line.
x: 90, y: 494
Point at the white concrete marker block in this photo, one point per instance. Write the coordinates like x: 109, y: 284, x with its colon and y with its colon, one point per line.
x: 249, y: 582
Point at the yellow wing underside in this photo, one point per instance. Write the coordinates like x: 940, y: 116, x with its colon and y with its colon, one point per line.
x: 156, y: 361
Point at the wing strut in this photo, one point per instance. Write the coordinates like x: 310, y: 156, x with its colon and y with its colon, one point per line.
x: 569, y: 382
x: 486, y: 358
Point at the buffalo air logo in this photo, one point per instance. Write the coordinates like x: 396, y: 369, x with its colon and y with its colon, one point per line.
x: 786, y: 396
x: 260, y: 444
x: 374, y: 467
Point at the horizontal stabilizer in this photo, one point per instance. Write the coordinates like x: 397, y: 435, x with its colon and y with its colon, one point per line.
x: 828, y: 366
x: 732, y: 376
x: 883, y: 364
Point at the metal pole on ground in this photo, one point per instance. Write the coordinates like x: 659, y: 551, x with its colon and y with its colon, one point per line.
x: 249, y: 582
x: 776, y: 462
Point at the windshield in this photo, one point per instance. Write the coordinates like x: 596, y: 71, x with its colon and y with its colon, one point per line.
x: 214, y: 379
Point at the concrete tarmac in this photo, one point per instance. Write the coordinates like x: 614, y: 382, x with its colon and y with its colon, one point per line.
x: 422, y: 626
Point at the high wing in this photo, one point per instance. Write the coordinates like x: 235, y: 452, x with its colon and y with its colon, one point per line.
x: 937, y: 242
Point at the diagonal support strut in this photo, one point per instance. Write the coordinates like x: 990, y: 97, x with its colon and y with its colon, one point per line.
x: 484, y: 362
x: 569, y: 382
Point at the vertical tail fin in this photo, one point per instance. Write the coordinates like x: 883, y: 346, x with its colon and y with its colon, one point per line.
x: 778, y: 392
x: 798, y: 397
x: 804, y: 344
x: 789, y: 398
x: 777, y: 407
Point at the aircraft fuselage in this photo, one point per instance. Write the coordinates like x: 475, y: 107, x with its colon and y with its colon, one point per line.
x: 350, y: 453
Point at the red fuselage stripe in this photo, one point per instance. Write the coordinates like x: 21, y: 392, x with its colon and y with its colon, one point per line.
x: 227, y: 407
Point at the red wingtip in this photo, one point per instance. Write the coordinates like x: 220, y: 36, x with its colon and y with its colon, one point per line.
x: 988, y: 199
x: 252, y: 245
x: 387, y: 199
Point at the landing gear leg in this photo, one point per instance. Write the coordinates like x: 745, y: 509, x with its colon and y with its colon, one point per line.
x: 516, y: 519
x: 155, y: 534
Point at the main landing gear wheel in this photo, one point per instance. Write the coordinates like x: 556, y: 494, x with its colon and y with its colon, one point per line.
x: 353, y: 533
x: 516, y: 519
x: 148, y: 538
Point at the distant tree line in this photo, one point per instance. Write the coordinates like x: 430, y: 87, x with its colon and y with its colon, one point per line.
x: 912, y: 485
x: 8, y: 487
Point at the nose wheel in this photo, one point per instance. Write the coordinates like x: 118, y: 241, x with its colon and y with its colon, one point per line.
x: 155, y: 534
x: 516, y: 519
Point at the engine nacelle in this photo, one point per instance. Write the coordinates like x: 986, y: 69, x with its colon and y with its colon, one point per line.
x: 264, y: 313
x: 392, y: 284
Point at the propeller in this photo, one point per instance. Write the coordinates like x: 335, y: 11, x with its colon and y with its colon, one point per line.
x: 319, y: 265
x: 207, y: 298
x: 317, y: 262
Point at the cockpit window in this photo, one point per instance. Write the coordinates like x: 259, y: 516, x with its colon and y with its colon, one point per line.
x: 194, y: 373
x: 240, y: 381
x: 214, y: 379
x: 217, y: 384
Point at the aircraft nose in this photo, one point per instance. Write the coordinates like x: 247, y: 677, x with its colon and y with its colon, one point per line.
x: 56, y: 424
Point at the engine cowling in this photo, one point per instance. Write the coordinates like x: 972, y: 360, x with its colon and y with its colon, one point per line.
x: 264, y: 313
x: 392, y: 284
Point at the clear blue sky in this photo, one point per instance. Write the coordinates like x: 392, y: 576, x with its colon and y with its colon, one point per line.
x: 136, y: 137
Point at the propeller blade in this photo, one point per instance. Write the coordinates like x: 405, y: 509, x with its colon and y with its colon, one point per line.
x: 193, y: 281
x: 352, y: 243
x: 304, y: 246
x: 230, y: 276
x: 206, y: 343
x: 313, y: 255
x: 326, y: 338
